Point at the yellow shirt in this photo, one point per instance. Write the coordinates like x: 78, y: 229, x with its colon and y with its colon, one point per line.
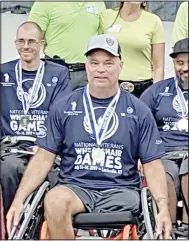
x: 180, y: 28
x: 67, y: 26
x: 135, y: 39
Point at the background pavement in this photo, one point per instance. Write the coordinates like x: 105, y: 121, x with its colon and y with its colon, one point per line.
x: 10, y: 23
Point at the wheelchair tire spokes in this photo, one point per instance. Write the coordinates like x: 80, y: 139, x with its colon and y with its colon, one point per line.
x: 148, y: 213
x: 33, y: 229
x: 36, y: 198
x: 14, y: 230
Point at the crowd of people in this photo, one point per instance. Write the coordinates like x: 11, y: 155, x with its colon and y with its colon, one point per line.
x: 99, y: 100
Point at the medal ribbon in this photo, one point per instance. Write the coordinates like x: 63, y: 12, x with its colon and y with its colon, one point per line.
x: 182, y: 101
x: 99, y: 131
x: 27, y: 98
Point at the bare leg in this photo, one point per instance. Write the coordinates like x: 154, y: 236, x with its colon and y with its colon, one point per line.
x: 172, y: 198
x: 60, y: 204
x: 184, y: 186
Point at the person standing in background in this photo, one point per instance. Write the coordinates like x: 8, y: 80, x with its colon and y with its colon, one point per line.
x: 67, y: 27
x: 142, y: 40
x: 180, y: 28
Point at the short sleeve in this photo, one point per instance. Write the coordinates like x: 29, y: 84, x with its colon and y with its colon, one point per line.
x: 53, y: 140
x: 150, y: 144
x: 158, y: 33
x: 39, y: 15
x: 147, y: 97
x: 181, y: 24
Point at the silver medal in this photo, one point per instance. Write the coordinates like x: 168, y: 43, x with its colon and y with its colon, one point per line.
x: 24, y: 121
x: 98, y: 154
x: 183, y: 124
x: 28, y: 98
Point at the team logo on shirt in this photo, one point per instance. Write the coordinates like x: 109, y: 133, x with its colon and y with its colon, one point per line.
x: 39, y: 96
x: 6, y: 81
x: 129, y: 110
x: 74, y: 104
x: 166, y: 92
x: 36, y: 126
x: 6, y: 77
x: 54, y: 81
x: 177, y: 105
x: 113, y: 126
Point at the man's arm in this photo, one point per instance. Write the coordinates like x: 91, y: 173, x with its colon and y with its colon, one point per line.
x: 158, y: 60
x: 35, y: 173
x: 150, y: 150
x: 39, y: 165
x: 157, y: 183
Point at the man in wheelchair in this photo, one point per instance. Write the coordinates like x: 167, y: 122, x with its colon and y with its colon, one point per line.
x: 168, y: 101
x: 29, y: 86
x: 99, y: 131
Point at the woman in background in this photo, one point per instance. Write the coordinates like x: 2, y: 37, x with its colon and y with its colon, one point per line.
x: 142, y: 40
x: 180, y: 27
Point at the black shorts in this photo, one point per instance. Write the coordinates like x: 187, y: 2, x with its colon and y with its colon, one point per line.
x: 174, y: 171
x: 107, y: 200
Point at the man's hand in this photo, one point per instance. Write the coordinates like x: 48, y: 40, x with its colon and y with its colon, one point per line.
x: 35, y: 149
x: 163, y: 223
x: 13, y: 215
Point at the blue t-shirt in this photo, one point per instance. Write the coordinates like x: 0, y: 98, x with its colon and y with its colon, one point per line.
x: 132, y: 133
x: 55, y: 84
x: 163, y: 101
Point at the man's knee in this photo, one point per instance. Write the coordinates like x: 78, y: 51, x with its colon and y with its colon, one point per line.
x: 62, y: 200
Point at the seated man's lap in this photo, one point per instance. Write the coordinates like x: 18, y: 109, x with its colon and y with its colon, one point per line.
x: 184, y: 167
x: 108, y: 201
x: 172, y: 168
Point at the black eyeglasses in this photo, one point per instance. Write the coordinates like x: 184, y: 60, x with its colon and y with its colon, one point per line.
x: 30, y: 42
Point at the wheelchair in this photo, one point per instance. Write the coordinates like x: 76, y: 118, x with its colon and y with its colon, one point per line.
x: 178, y: 157
x: 114, y: 225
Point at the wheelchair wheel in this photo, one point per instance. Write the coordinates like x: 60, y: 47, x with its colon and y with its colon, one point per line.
x: 2, y: 218
x: 31, y: 216
x: 149, y: 210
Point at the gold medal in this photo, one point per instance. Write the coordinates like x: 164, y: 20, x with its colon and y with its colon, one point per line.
x: 98, y: 154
